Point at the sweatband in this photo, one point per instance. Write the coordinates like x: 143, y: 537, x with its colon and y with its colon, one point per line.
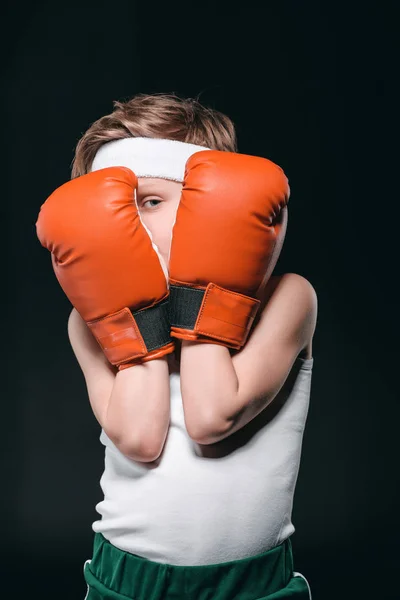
x: 147, y: 157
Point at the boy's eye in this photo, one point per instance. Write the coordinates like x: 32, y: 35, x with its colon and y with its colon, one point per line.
x: 151, y: 201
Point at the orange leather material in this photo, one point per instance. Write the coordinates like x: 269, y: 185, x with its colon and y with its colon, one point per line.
x: 103, y: 257
x: 228, y: 231
x: 224, y: 315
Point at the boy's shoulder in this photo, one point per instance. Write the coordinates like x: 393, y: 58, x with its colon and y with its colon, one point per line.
x: 292, y: 281
x: 285, y: 288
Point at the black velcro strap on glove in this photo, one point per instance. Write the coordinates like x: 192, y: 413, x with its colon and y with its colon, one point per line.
x: 154, y: 325
x: 184, y: 306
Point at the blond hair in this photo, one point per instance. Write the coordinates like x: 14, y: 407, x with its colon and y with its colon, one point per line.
x: 166, y: 116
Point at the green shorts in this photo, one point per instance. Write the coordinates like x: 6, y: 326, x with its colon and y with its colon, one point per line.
x: 113, y: 574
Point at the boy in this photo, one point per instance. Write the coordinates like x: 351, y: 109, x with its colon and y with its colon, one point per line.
x: 203, y: 429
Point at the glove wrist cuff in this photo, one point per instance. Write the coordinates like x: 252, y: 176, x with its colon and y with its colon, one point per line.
x: 212, y: 312
x: 127, y: 336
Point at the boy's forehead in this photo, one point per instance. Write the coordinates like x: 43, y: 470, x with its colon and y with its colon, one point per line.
x: 154, y: 183
x: 150, y: 182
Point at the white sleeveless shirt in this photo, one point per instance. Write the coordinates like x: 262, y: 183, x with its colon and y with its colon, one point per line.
x: 199, y: 505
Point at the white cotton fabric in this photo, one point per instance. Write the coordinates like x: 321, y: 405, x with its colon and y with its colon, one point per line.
x: 147, y: 157
x: 202, y: 505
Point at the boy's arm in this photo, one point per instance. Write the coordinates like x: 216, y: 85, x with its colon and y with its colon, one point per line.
x: 132, y: 405
x: 222, y: 393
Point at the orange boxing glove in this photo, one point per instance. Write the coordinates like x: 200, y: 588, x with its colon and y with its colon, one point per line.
x: 226, y: 240
x: 107, y: 266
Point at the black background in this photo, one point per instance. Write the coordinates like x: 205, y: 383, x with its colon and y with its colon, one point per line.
x: 310, y: 85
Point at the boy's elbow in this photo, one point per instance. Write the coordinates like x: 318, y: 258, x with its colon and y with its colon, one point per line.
x: 206, y: 429
x: 140, y: 448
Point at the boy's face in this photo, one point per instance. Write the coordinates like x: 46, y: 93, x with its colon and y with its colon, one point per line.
x: 157, y: 201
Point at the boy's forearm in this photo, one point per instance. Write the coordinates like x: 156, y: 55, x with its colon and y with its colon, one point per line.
x: 208, y: 382
x: 138, y: 412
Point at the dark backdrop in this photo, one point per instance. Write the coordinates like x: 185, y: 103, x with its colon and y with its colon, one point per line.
x: 310, y: 85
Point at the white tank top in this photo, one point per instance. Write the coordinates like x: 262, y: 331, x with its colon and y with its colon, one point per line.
x: 199, y: 505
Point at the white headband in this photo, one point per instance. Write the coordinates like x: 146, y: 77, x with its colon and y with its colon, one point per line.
x: 147, y: 157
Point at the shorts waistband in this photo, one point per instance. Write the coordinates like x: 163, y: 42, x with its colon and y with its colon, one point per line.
x: 136, y: 577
